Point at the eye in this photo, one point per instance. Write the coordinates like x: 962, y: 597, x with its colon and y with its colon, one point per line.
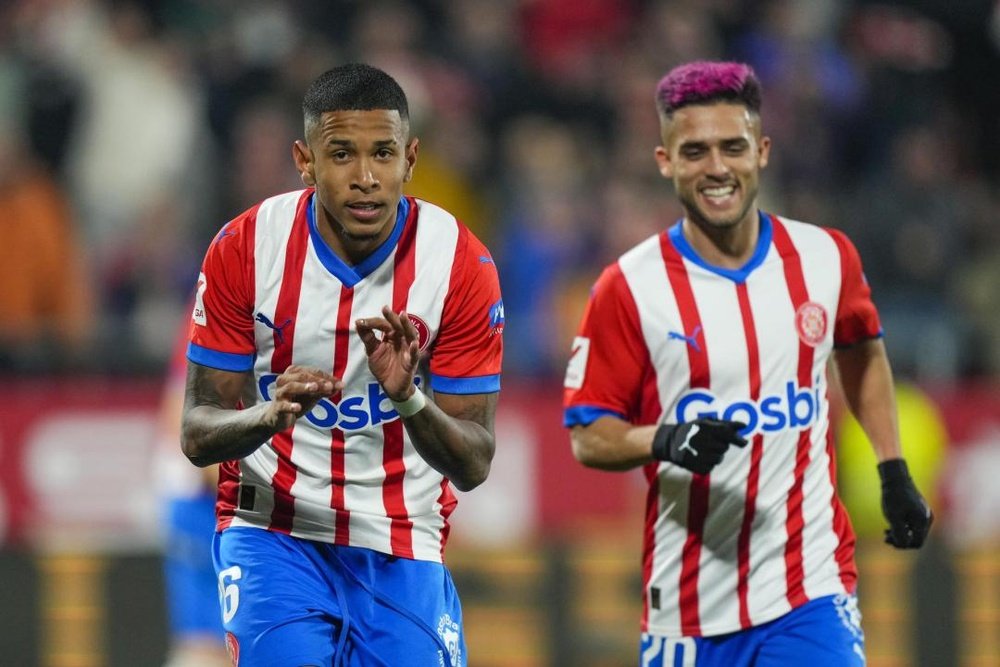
x: 384, y: 153
x: 736, y: 147
x: 692, y: 152
x: 339, y: 155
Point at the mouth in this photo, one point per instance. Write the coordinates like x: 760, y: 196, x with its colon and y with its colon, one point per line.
x: 719, y: 196
x: 365, y: 211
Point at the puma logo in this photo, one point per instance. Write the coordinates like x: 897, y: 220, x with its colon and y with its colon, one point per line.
x: 687, y: 441
x: 278, y: 330
x: 691, y: 340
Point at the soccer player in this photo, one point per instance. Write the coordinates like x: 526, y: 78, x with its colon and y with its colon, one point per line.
x: 702, y: 358
x: 344, y: 368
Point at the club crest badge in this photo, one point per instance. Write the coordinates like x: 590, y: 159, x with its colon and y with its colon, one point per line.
x: 423, y: 331
x: 810, y: 323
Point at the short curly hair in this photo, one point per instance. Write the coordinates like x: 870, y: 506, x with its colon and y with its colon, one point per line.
x: 353, y: 87
x: 705, y: 82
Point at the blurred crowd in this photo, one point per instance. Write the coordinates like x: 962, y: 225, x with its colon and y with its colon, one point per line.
x: 131, y: 130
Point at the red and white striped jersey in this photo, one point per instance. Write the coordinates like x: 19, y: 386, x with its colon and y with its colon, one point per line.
x: 272, y: 294
x: 668, y: 337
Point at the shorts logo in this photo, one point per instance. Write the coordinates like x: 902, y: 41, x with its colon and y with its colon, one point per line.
x: 233, y: 649
x: 423, y: 331
x: 451, y: 634
x: 810, y: 323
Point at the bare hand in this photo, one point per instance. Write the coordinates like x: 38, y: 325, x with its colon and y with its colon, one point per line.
x: 393, y: 357
x: 297, y: 391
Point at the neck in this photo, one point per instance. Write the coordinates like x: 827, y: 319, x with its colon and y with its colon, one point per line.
x: 728, y: 247
x: 352, y: 249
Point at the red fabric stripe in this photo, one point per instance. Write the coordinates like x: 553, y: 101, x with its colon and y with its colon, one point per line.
x: 448, y: 502
x: 393, y: 495
x: 401, y: 528
x: 649, y: 537
x: 841, y: 526
x: 228, y: 491
x: 286, y: 310
x: 756, y: 452
x: 794, y: 572
x: 698, y: 494
x: 338, y: 441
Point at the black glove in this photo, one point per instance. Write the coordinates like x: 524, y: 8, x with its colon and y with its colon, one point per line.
x: 697, y: 445
x: 908, y: 513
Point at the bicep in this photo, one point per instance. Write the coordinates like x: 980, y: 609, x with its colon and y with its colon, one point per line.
x: 217, y: 388
x: 478, y: 408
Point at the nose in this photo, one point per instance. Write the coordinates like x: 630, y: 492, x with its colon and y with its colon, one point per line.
x: 365, y: 179
x: 717, y: 164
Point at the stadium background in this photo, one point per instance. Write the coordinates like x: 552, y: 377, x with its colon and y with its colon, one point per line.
x: 131, y: 130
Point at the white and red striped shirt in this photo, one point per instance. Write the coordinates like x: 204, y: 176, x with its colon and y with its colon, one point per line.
x: 667, y: 337
x: 272, y: 294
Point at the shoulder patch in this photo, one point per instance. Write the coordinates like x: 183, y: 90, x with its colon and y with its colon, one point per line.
x: 577, y: 367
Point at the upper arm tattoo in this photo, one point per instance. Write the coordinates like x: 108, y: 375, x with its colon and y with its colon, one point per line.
x: 218, y: 388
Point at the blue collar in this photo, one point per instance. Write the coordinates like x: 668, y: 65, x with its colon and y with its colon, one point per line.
x: 352, y: 275
x: 736, y: 275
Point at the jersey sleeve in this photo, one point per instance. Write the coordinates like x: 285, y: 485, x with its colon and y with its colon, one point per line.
x: 222, y: 331
x: 857, y: 318
x: 608, y: 358
x: 468, y: 351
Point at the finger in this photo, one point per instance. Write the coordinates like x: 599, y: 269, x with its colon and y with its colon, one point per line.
x: 367, y: 334
x: 288, y: 407
x: 408, y: 328
x: 392, y: 318
x: 738, y: 440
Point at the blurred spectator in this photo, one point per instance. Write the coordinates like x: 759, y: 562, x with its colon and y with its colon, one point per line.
x: 133, y: 167
x: 156, y: 116
x: 46, y: 303
x: 912, y: 219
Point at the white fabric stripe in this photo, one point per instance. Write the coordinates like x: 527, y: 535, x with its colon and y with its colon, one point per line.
x: 822, y: 572
x: 274, y: 215
x: 778, y: 351
x: 728, y: 364
x: 647, y: 279
x: 314, y: 346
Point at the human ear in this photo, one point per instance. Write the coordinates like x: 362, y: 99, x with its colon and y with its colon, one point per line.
x: 411, y: 158
x: 663, y: 161
x: 303, y: 157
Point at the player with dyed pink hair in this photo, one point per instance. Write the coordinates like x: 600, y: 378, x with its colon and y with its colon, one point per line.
x: 702, y: 359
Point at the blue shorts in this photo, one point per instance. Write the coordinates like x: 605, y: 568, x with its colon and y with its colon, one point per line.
x: 288, y: 602
x: 192, y: 590
x: 825, y: 632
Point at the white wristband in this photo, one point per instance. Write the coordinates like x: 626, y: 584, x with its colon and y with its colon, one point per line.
x: 411, y: 406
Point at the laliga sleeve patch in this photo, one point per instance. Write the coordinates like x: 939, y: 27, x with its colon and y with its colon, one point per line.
x: 198, y: 314
x: 577, y: 367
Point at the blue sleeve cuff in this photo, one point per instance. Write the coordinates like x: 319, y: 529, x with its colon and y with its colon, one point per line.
x: 481, y: 384
x: 584, y: 415
x: 224, y: 361
x: 844, y: 346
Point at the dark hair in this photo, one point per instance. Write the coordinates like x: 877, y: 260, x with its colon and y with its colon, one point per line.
x: 707, y: 82
x: 353, y: 87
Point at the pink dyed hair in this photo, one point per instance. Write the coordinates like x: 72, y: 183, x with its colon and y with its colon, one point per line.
x: 706, y: 82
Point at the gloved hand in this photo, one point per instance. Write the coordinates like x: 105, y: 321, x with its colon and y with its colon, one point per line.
x: 697, y: 445
x: 908, y: 513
